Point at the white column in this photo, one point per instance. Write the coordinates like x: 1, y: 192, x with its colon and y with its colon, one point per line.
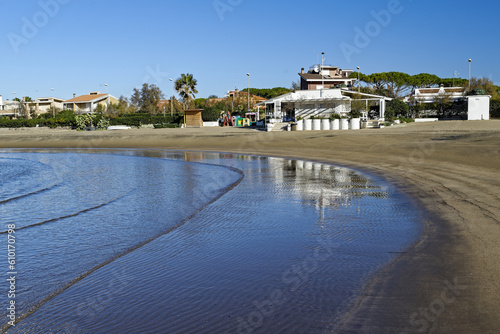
x: 382, y: 109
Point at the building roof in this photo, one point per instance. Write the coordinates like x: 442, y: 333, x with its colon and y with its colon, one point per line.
x: 87, y: 98
x: 311, y: 76
x: 318, y: 77
x: 372, y: 96
x: 319, y: 95
x: 48, y: 99
x: 306, y: 96
x: 162, y: 103
x: 436, y: 90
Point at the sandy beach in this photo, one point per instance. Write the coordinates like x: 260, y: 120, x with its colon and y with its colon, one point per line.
x: 449, y: 281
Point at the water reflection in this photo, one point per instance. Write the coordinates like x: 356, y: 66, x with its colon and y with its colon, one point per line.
x: 311, y: 183
x: 210, y: 271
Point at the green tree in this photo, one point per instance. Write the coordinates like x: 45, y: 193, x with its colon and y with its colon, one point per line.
x: 99, y: 109
x: 396, y: 108
x: 425, y: 80
x: 148, y: 98
x: 268, y: 93
x: 398, y: 83
x: 185, y: 85
x: 212, y: 113
x: 495, y: 108
x: 453, y: 82
x: 484, y: 83
x: 122, y: 107
x: 178, y: 106
x: 376, y: 80
x: 200, y: 103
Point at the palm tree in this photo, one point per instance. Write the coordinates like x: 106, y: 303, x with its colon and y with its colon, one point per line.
x: 186, y: 87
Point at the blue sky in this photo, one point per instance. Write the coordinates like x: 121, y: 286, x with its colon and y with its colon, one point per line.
x: 77, y: 46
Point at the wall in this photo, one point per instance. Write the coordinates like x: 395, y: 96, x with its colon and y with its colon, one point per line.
x: 479, y: 107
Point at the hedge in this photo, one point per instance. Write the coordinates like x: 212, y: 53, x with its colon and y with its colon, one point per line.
x: 31, y: 123
x: 140, y: 119
x: 69, y: 120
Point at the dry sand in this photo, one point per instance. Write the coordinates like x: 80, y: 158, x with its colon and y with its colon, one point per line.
x: 448, y: 282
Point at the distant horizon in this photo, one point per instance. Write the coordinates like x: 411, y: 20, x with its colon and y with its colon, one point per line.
x: 74, y: 48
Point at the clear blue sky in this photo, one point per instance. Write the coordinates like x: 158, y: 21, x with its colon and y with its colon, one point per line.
x: 77, y: 46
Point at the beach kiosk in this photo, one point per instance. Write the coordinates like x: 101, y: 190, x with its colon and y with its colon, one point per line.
x: 193, y: 118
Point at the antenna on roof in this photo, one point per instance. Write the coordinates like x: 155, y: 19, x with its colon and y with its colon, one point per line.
x: 455, y: 75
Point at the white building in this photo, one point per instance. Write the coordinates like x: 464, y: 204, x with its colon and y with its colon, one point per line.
x: 9, y: 108
x: 325, y: 77
x: 431, y: 95
x: 88, y: 103
x: 478, y: 107
x: 316, y: 103
x: 44, y: 105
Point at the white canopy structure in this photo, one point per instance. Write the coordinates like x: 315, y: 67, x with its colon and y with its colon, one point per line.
x: 315, y: 103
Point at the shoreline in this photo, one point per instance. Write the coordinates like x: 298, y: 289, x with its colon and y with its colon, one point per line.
x: 446, y: 282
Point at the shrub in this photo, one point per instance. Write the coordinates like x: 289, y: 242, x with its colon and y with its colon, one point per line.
x: 396, y: 108
x: 139, y: 119
x: 91, y: 120
x: 210, y: 114
x: 495, y: 108
x: 335, y: 116
x: 355, y: 114
x: 103, y: 123
x: 406, y: 119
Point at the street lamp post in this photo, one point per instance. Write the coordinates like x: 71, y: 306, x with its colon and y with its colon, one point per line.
x: 15, y: 107
x: 359, y: 89
x: 107, y: 97
x: 171, y: 97
x: 321, y: 70
x: 470, y: 60
x: 53, y: 103
x: 248, y: 92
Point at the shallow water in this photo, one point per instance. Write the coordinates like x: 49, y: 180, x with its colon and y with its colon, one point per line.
x: 172, y: 242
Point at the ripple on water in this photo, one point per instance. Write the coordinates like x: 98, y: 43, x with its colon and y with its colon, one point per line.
x: 286, y: 250
x: 56, y: 246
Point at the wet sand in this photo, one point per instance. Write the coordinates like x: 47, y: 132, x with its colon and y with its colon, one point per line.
x: 448, y: 282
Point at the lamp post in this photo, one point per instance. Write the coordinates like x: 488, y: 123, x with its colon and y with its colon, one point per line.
x: 107, y: 97
x: 248, y: 92
x: 171, y: 97
x: 321, y: 71
x: 53, y: 104
x: 455, y: 75
x: 470, y: 60
x: 358, y: 81
x: 15, y: 107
